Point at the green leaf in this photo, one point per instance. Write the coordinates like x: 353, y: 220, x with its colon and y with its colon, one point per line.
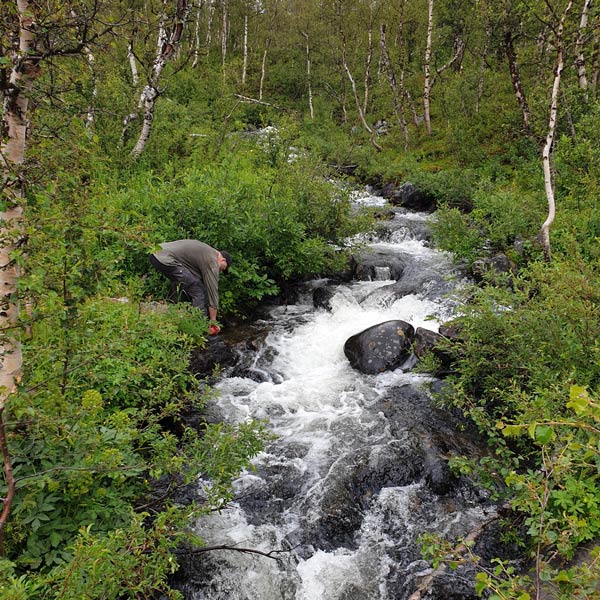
x: 544, y: 434
x: 578, y: 400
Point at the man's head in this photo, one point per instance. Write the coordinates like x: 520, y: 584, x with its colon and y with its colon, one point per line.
x: 224, y: 260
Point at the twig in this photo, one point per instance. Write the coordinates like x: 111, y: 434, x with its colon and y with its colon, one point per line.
x: 234, y: 548
x: 255, y: 101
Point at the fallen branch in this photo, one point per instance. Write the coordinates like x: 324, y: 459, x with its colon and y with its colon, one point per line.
x: 256, y: 101
x: 234, y: 548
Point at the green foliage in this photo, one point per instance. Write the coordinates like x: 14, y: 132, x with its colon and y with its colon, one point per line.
x: 502, y: 218
x: 278, y: 218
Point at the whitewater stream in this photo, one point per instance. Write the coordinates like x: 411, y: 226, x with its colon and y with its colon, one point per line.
x: 358, y: 469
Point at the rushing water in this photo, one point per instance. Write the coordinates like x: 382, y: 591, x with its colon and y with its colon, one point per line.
x: 344, y: 491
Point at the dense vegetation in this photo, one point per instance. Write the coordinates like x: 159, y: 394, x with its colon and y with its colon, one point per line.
x: 96, y: 427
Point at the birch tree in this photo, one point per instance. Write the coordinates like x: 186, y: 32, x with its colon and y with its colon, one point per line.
x: 427, y: 68
x: 170, y: 34
x: 458, y: 49
x: 579, y: 47
x: 351, y: 79
x: 25, y: 68
x: 396, y: 92
x: 309, y: 75
x: 547, y: 150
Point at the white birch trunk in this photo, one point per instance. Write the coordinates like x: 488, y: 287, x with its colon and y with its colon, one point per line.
x: 245, y: 63
x: 391, y: 77
x: 224, y: 32
x: 91, y: 113
x: 197, y: 34
x: 309, y: 76
x: 427, y: 67
x: 579, y: 45
x: 547, y: 150
x: 211, y: 16
x: 516, y: 80
x: 135, y: 78
x: 15, y: 120
x: 263, y: 70
x: 367, y: 79
x: 168, y: 40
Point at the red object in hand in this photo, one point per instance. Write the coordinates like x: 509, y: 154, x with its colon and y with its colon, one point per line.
x: 213, y: 329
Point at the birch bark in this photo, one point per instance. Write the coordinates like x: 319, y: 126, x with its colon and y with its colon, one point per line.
x: 427, y: 68
x: 245, y: 62
x: 309, y: 76
x: 547, y: 150
x: 391, y: 77
x: 168, y: 40
x: 15, y: 120
x: 515, y: 78
x: 579, y: 45
x: 199, y: 4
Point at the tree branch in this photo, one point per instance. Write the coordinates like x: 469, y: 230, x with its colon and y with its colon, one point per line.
x: 269, y: 554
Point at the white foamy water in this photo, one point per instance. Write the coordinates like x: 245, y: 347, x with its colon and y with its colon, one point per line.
x: 327, y: 419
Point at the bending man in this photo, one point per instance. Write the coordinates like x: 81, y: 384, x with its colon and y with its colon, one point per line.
x: 194, y: 267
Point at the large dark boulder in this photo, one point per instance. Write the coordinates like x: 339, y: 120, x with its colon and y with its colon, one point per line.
x: 379, y: 348
x: 379, y: 265
x: 410, y: 196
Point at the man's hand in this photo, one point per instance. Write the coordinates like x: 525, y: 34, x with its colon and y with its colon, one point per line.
x: 213, y: 329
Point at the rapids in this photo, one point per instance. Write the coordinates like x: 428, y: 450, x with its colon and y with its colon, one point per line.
x: 353, y: 478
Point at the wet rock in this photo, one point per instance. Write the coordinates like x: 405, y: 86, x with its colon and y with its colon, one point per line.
x: 438, y: 475
x: 440, y: 431
x: 322, y: 297
x: 380, y: 348
x: 372, y: 266
x: 425, y: 340
x: 429, y: 341
x: 354, y: 481
x: 204, y: 361
x: 410, y: 196
x: 415, y: 279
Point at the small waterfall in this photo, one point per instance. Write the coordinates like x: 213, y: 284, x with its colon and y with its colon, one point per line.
x: 352, y: 480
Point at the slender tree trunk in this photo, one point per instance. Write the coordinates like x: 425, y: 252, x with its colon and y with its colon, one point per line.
x: 135, y: 78
x: 515, y: 77
x: 168, y: 40
x: 547, y: 150
x: 359, y: 108
x: 596, y: 60
x: 391, y: 77
x: 15, y: 120
x: 197, y: 34
x: 224, y: 35
x: 245, y: 63
x: 211, y: 16
x: 263, y: 69
x: 427, y: 67
x: 91, y: 113
x: 481, y: 80
x: 367, y: 79
x: 579, y: 45
x: 308, y: 76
